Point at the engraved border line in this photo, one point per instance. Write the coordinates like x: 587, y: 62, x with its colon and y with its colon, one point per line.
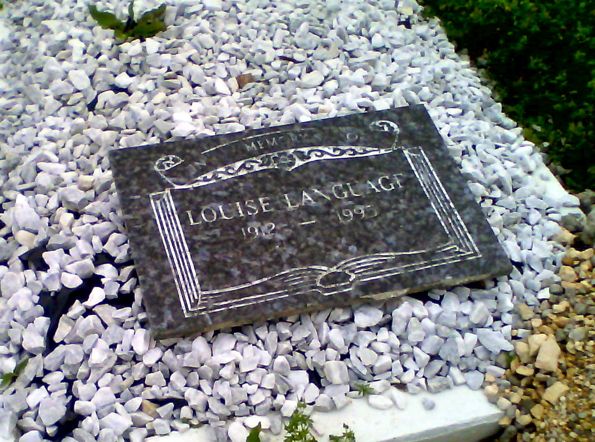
x: 440, y: 195
x: 186, y: 252
x: 410, y: 159
x: 178, y: 240
x: 434, y: 196
x: 460, y: 224
x: 155, y: 203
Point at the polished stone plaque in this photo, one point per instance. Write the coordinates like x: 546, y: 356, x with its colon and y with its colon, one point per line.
x: 243, y: 227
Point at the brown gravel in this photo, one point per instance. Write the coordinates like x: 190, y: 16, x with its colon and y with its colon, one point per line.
x: 547, y: 393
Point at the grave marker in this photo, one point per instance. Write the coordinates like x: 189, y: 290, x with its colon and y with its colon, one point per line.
x: 248, y: 226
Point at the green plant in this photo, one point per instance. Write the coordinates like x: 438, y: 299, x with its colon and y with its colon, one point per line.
x: 364, y: 389
x: 254, y: 435
x: 298, y: 427
x: 9, y: 378
x: 347, y: 435
x: 149, y: 24
x: 537, y: 54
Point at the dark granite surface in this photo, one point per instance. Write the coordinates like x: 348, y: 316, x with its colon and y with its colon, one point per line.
x: 243, y: 227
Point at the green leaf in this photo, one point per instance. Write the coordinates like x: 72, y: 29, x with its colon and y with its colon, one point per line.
x: 7, y: 379
x: 254, y: 435
x: 150, y: 23
x: 21, y: 366
x: 298, y: 427
x: 347, y: 436
x: 120, y: 34
x: 364, y: 389
x: 106, y: 20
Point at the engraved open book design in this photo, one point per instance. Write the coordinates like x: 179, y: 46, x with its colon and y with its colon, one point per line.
x: 199, y: 297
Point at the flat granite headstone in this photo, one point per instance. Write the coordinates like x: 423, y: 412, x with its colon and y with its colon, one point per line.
x: 248, y: 226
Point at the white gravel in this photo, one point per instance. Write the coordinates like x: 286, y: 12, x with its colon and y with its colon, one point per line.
x: 70, y: 94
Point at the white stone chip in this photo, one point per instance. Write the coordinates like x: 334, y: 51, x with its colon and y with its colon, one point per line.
x: 161, y: 427
x: 155, y: 379
x: 474, y: 379
x: 10, y: 283
x: 32, y: 340
x: 398, y: 398
x: 421, y: 358
x: 367, y: 316
x: 254, y: 421
x: 140, y: 341
x: 336, y: 372
x: 221, y: 87
x: 123, y: 80
x: 289, y: 406
x: 84, y: 408
x: 29, y: 436
x: 151, y: 357
x: 311, y: 393
x: 428, y: 403
x: 25, y: 217
x: 223, y: 342
x: 213, y: 5
x: 380, y: 402
x: 480, y: 314
x: 494, y: 341
x: 116, y: 422
x: 70, y: 281
x: 237, y: 432
x: 79, y: 79
x: 96, y: 296
x: 103, y: 397
x: 311, y: 79
x: 51, y: 411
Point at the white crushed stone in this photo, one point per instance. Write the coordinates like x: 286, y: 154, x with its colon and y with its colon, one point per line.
x: 380, y: 402
x: 79, y: 79
x: 237, y: 432
x: 428, y: 403
x: 309, y: 60
x: 367, y: 316
x: 51, y: 411
x: 311, y: 79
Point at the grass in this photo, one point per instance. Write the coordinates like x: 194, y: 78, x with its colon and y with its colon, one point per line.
x: 364, y: 389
